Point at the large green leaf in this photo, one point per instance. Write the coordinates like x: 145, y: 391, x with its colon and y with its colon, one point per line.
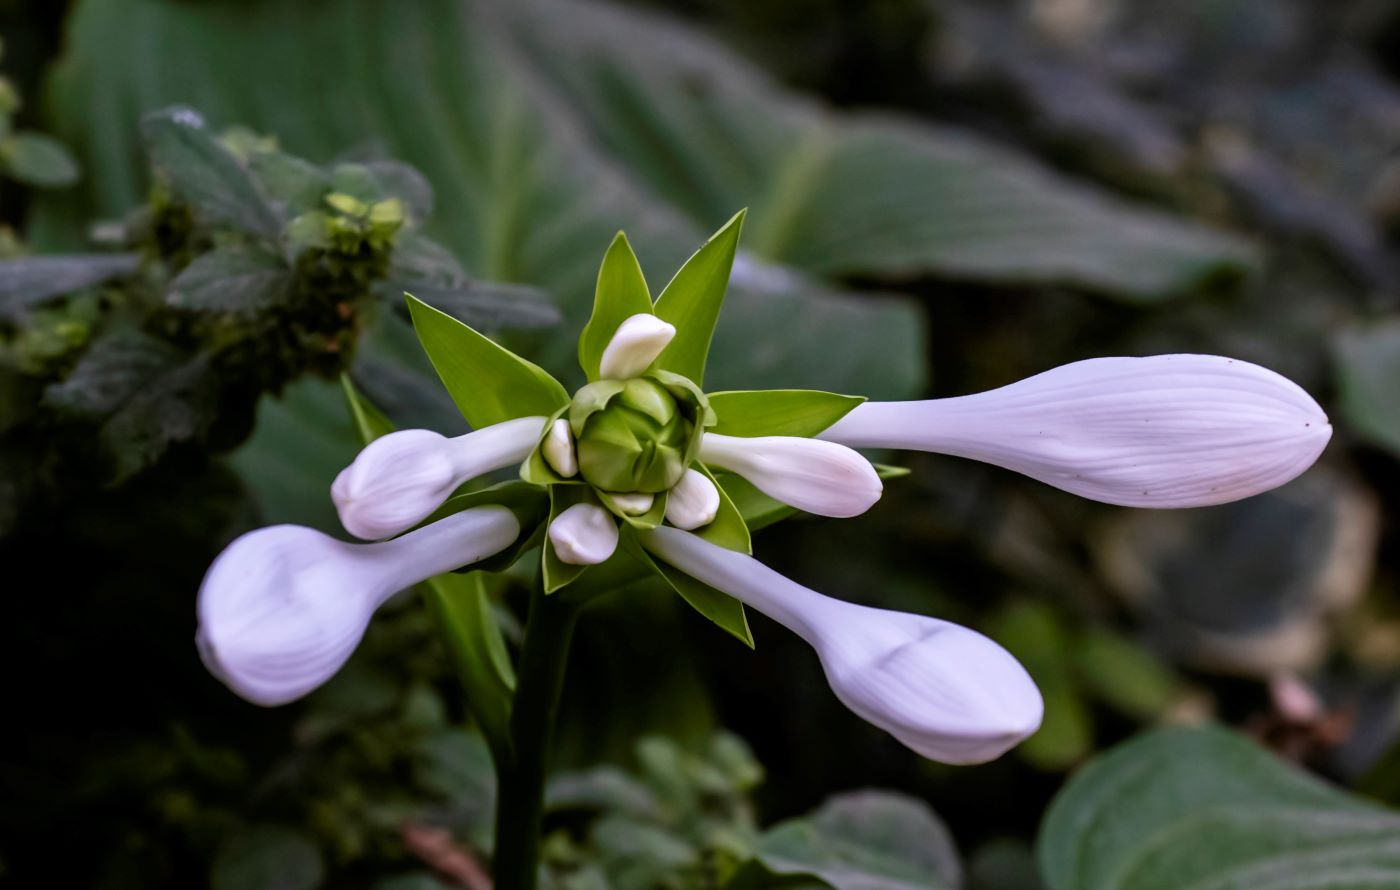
x: 693, y: 299
x: 620, y: 294
x: 861, y: 840
x: 489, y: 383
x: 1208, y: 810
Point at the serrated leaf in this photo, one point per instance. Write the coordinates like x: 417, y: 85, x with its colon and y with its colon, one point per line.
x: 489, y: 383
x: 693, y: 299
x: 297, y: 183
x: 240, y: 280
x: 719, y: 607
x: 1207, y: 809
x: 859, y: 841
x: 778, y: 412
x: 267, y: 857
x: 205, y: 173
x: 30, y: 281
x: 621, y: 293
x: 39, y: 160
x: 115, y: 367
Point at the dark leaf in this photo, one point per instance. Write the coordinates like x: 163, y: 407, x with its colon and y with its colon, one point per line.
x: 29, y: 281
x: 240, y: 280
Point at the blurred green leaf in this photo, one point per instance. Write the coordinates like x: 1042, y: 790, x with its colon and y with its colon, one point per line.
x: 861, y: 840
x: 620, y: 294
x: 482, y: 304
x: 36, y: 159
x: 1205, y: 808
x: 1035, y: 634
x: 778, y: 412
x: 266, y: 857
x: 206, y: 174
x: 692, y: 301
x: 243, y: 280
x: 1368, y: 366
x: 1123, y: 674
x: 489, y: 383
x: 29, y: 281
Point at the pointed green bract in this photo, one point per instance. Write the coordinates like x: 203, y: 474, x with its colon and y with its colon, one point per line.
x: 489, y: 383
x: 728, y: 528
x: 370, y: 422
x: 719, y: 607
x: 558, y: 573
x: 621, y: 293
x: 778, y: 412
x: 692, y: 301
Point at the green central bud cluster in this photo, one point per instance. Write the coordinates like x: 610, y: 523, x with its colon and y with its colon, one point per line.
x: 632, y: 435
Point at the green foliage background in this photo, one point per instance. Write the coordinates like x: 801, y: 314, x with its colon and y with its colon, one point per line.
x: 943, y: 196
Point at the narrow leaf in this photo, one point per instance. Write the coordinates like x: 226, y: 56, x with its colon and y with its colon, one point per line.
x: 370, y: 422
x: 719, y: 607
x: 489, y: 383
x: 778, y: 412
x: 692, y: 301
x: 621, y: 293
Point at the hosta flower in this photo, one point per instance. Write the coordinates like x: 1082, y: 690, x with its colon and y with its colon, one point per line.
x: 637, y: 470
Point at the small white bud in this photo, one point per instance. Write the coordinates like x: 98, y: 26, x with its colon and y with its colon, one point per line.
x: 583, y: 535
x: 819, y: 477
x: 558, y: 449
x: 283, y: 607
x: 633, y: 503
x: 693, y: 502
x: 399, y: 479
x: 637, y: 343
x: 945, y: 691
x: 1160, y: 431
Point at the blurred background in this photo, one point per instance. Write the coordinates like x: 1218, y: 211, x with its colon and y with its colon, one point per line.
x: 945, y: 196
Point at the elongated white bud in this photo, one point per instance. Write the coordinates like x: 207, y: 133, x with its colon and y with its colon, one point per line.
x: 282, y: 608
x: 1161, y: 431
x: 583, y: 535
x: 558, y: 449
x: 397, y: 480
x: 634, y: 503
x: 638, y: 341
x: 693, y: 502
x: 819, y: 477
x: 945, y: 691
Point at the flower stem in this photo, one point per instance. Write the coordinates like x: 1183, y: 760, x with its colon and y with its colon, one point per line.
x: 520, y: 795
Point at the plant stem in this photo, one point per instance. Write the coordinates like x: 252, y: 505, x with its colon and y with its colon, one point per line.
x: 520, y: 788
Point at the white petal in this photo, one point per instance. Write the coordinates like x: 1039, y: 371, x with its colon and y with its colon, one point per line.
x: 945, y: 691
x: 637, y: 343
x: 1161, y: 431
x: 819, y: 477
x: 583, y: 535
x: 397, y: 480
x: 693, y: 501
x: 633, y: 503
x: 558, y: 449
x: 282, y: 608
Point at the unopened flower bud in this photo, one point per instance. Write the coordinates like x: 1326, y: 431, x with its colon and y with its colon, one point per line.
x: 636, y: 442
x: 637, y: 343
x: 819, y: 477
x: 559, y: 449
x: 694, y: 501
x: 583, y: 535
x: 399, y: 479
x: 282, y: 608
x: 633, y: 503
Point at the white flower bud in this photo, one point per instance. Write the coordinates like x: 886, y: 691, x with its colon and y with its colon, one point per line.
x: 397, y: 480
x: 819, y: 477
x: 693, y: 502
x: 1161, y: 431
x: 583, y: 535
x: 945, y: 691
x: 282, y: 608
x: 638, y: 341
x: 558, y: 449
x: 633, y: 503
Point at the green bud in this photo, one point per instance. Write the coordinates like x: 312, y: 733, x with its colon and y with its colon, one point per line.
x: 631, y: 437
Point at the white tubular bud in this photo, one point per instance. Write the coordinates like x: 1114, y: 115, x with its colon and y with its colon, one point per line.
x: 693, y: 502
x: 583, y: 535
x: 283, y: 607
x: 399, y: 479
x: 633, y: 503
x: 558, y: 449
x: 1161, y: 431
x: 638, y: 341
x: 819, y: 477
